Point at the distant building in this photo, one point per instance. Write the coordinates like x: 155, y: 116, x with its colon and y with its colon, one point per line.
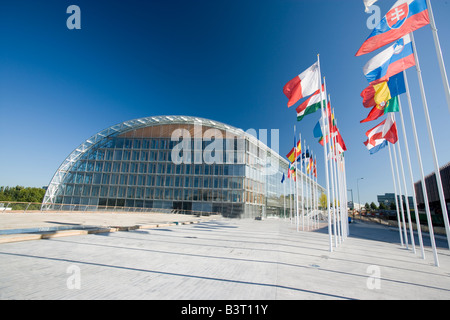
x: 432, y: 190
x: 389, y: 198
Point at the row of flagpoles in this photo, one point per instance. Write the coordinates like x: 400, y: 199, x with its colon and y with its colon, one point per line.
x: 309, y: 85
x: 386, y: 74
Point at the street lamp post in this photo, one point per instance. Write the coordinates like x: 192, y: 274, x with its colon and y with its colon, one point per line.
x: 359, y: 201
x: 353, y: 203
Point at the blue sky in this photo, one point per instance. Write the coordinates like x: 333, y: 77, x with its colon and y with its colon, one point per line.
x: 222, y: 60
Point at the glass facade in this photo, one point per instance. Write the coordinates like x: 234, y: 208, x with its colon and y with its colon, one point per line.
x: 173, y: 163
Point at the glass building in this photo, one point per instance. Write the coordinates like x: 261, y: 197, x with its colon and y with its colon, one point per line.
x: 176, y: 164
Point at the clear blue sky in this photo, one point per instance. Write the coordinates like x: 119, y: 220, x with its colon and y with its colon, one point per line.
x: 223, y: 60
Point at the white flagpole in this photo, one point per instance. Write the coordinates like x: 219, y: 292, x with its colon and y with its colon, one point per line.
x: 416, y: 209
x: 323, y: 97
x: 396, y: 199
x: 296, y: 186
x: 432, y: 145
x: 399, y: 185
x: 439, y: 54
x: 284, y: 196
x: 303, y: 193
x: 422, y: 175
x: 330, y: 152
x: 338, y: 191
x: 311, y: 216
x: 408, y: 211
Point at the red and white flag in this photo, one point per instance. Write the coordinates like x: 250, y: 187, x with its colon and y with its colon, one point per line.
x: 303, y: 85
x: 385, y: 130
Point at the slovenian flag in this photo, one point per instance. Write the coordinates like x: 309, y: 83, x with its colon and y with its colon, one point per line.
x: 404, y: 17
x: 393, y: 60
x: 303, y: 85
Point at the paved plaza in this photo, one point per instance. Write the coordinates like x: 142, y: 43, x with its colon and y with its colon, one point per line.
x: 223, y: 259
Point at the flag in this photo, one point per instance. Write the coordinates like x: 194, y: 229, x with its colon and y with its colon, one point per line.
x: 395, y: 59
x: 308, y: 166
x: 368, y: 4
x: 317, y: 131
x: 380, y: 93
x: 282, y: 179
x: 397, y: 84
x: 295, y: 152
x: 404, y: 17
x: 375, y: 94
x: 305, y: 154
x: 387, y: 129
x: 311, y: 105
x: 377, y: 146
x: 340, y: 144
x: 303, y: 85
x: 390, y: 129
x: 392, y: 105
x: 315, y: 168
x: 381, y: 109
x: 291, y: 172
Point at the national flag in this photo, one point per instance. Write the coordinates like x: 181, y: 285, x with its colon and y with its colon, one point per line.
x: 381, y: 109
x: 387, y: 129
x: 308, y: 166
x: 291, y: 172
x: 377, y: 146
x: 340, y: 144
x: 303, y: 85
x: 396, y: 84
x: 375, y: 94
x: 369, y: 3
x: 282, y: 178
x: 404, y: 17
x: 315, y: 168
x: 393, y: 60
x: 311, y: 105
x: 295, y: 152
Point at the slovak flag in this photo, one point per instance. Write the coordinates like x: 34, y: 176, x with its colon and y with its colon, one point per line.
x: 404, y: 17
x: 393, y: 60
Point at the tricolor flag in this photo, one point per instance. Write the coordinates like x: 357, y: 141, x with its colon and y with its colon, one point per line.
x: 311, y: 105
x: 303, y: 85
x: 379, y: 93
x: 404, y: 17
x: 393, y: 60
x: 376, y: 146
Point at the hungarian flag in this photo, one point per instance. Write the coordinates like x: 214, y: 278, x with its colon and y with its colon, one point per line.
x: 311, y: 105
x: 404, y: 17
x: 393, y: 60
x: 303, y: 85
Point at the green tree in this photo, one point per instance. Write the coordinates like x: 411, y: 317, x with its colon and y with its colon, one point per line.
x: 373, y: 206
x: 323, y: 201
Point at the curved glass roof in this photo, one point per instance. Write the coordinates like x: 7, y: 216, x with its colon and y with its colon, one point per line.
x: 126, y: 126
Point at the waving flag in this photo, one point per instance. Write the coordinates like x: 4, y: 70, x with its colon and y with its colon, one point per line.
x: 385, y: 130
x: 404, y: 17
x: 376, y: 146
x: 368, y: 4
x: 295, y: 152
x: 311, y: 105
x: 393, y: 60
x: 303, y: 85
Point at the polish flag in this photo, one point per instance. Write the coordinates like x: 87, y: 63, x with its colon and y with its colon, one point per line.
x: 303, y: 85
